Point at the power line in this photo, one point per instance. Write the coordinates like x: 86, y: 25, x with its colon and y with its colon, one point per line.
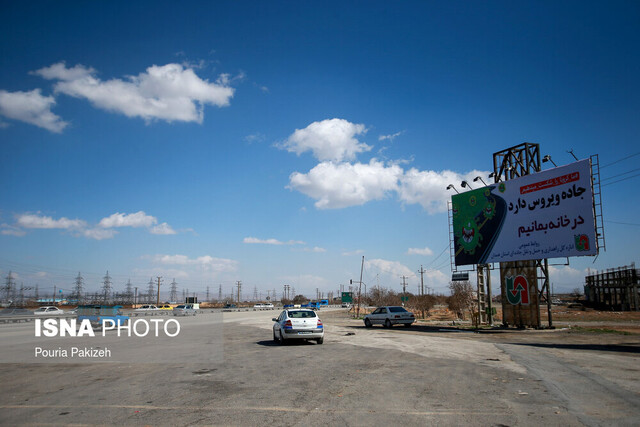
x: 621, y: 179
x: 619, y: 160
x: 436, y: 258
x: 623, y: 223
x: 620, y: 174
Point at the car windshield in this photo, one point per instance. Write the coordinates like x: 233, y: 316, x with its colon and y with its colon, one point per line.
x: 397, y: 310
x: 301, y: 314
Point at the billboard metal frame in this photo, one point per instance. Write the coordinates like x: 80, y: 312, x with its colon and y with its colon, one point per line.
x: 517, y: 161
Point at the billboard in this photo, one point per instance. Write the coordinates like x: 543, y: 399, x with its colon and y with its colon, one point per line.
x: 548, y: 214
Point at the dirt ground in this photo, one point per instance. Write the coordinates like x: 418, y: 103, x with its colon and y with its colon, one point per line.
x: 578, y: 319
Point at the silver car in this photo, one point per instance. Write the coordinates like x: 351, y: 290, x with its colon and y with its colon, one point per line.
x: 48, y: 311
x: 389, y: 316
x: 184, y: 310
x: 298, y: 323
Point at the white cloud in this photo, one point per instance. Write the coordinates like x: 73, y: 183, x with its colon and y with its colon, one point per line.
x: 329, y: 140
x: 103, y: 230
x: 352, y: 253
x: 420, y: 251
x: 47, y: 222
x: 31, y: 107
x: 342, y: 185
x: 205, y: 262
x: 99, y: 233
x: 428, y: 188
x: 315, y: 249
x: 255, y: 240
x: 392, y: 268
x: 138, y: 219
x: 163, y: 229
x: 566, y: 278
x: 9, y: 230
x: 170, y: 92
x: 390, y: 137
x: 256, y: 137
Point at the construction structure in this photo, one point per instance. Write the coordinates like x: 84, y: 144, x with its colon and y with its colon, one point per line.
x: 615, y: 289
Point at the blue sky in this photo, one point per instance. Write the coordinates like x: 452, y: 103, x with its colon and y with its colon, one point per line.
x: 279, y: 142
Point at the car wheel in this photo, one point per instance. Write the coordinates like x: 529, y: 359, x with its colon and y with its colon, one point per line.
x: 367, y: 323
x: 275, y: 339
x: 280, y: 338
x: 387, y: 323
x: 320, y: 340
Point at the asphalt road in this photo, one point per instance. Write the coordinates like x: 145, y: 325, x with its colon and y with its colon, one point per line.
x: 417, y: 376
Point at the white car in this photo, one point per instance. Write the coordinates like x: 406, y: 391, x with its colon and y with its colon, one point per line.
x: 184, y: 310
x: 48, y: 311
x: 389, y: 316
x: 298, y: 323
x: 261, y: 305
x: 147, y: 307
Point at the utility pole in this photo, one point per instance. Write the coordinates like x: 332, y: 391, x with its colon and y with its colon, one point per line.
x: 158, y: 296
x: 360, y: 287
x: 135, y: 298
x: 421, y: 281
x: 129, y: 291
x: 220, y: 293
x: 239, y: 284
x: 106, y: 287
x: 404, y: 289
x: 207, y: 294
x: 150, y: 291
x: 173, y: 296
x: 78, y: 288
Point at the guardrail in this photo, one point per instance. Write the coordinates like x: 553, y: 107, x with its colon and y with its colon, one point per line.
x: 151, y: 313
x: 29, y: 317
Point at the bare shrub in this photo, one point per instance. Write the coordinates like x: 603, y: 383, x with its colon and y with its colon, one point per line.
x: 422, y: 304
x: 461, y: 299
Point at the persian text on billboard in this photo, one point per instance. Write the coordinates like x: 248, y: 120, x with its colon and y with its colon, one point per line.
x: 544, y: 215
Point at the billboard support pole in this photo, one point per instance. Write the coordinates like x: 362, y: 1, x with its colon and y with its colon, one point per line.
x: 489, y: 304
x: 543, y: 265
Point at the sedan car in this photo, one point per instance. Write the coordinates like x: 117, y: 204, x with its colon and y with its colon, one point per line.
x: 48, y: 311
x: 389, y: 316
x: 184, y: 310
x: 298, y: 323
x: 147, y: 307
x: 165, y: 307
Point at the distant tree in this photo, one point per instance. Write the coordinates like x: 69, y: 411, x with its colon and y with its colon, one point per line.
x: 422, y: 304
x: 379, y: 296
x: 461, y: 299
x: 300, y: 299
x: 577, y: 293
